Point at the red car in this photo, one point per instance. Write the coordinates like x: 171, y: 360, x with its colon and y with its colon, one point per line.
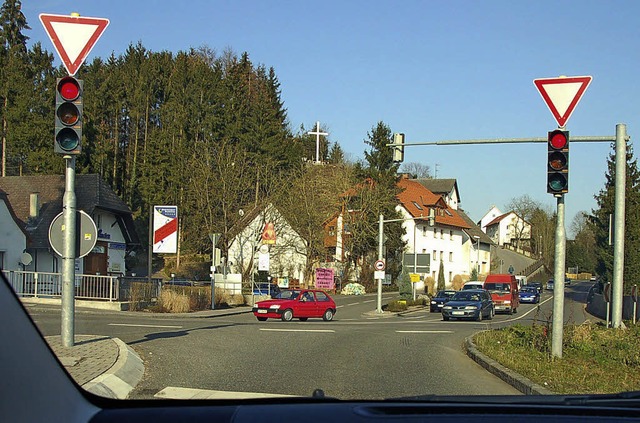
x: 296, y: 303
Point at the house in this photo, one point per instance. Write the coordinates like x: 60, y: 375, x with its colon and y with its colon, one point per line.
x: 13, y: 238
x: 488, y: 217
x: 476, y: 246
x: 509, y: 229
x: 264, y: 241
x: 433, y: 228
x: 37, y: 200
x: 447, y: 188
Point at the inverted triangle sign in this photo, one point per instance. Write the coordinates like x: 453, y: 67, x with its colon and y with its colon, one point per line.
x: 562, y: 94
x: 73, y: 37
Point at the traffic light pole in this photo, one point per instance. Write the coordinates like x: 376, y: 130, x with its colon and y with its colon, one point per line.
x: 558, y: 277
x: 619, y: 213
x: 69, y: 254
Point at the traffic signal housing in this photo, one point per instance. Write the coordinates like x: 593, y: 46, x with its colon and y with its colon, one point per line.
x: 68, y: 120
x: 398, y: 148
x: 558, y: 162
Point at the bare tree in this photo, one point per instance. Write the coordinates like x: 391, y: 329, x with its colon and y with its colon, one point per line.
x: 416, y: 170
x: 524, y: 207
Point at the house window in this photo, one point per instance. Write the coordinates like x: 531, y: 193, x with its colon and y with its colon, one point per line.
x: 434, y: 233
x: 441, y: 255
x: 332, y: 231
x: 424, y: 231
x: 441, y: 234
x: 435, y: 257
x: 451, y: 235
x: 450, y: 256
x: 417, y: 205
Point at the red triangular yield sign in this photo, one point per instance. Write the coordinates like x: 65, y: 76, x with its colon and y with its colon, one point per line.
x: 73, y: 37
x: 562, y: 94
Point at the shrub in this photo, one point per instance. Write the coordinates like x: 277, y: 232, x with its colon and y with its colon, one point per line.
x: 457, y: 282
x: 430, y: 285
x: 397, y: 305
x: 172, y: 302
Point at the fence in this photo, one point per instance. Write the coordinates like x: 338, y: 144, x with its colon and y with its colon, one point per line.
x: 88, y: 287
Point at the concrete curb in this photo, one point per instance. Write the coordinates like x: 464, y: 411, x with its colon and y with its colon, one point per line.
x: 122, y: 377
x: 514, y: 379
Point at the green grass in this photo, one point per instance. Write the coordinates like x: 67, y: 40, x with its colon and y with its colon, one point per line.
x: 595, y: 359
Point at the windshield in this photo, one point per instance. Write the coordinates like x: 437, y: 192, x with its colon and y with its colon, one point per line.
x: 494, y: 286
x: 374, y: 154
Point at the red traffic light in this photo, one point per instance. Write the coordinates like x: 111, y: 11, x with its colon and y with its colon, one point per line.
x: 69, y: 88
x: 558, y: 139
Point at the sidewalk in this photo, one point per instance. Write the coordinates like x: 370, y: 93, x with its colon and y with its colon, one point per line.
x: 107, y: 366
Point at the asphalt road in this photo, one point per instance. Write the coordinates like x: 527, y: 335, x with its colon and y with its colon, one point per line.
x: 356, y: 356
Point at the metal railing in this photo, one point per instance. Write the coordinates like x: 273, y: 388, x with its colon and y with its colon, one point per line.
x: 87, y: 287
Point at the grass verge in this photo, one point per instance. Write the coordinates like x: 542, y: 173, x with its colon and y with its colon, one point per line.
x: 595, y: 359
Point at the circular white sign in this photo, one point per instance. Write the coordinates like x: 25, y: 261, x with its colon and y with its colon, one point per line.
x: 379, y: 265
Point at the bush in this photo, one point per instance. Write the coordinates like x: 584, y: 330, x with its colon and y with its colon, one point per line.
x: 430, y: 285
x: 397, y: 305
x: 172, y: 302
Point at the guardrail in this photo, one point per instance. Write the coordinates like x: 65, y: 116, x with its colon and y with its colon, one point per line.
x: 87, y: 287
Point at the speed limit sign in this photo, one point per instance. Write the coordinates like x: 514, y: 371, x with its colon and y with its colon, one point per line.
x: 379, y: 265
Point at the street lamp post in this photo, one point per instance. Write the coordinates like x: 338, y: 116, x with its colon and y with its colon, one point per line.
x: 477, y: 238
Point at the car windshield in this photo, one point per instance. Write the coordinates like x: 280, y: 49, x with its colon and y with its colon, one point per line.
x: 466, y: 296
x: 169, y: 173
x: 495, y: 286
x: 287, y: 295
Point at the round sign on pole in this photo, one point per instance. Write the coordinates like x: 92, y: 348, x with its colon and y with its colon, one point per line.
x: 607, y: 292
x: 86, y: 234
x: 379, y: 265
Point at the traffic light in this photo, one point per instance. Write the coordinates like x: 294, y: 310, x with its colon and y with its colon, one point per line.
x: 398, y: 148
x: 558, y: 162
x: 68, y: 121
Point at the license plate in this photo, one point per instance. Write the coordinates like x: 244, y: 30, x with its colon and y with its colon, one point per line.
x: 457, y: 313
x: 262, y: 311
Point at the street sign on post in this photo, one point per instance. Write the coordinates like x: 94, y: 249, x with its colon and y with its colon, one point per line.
x: 86, y: 234
x: 73, y: 37
x: 562, y: 94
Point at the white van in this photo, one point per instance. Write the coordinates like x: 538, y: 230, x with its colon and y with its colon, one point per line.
x: 473, y: 285
x: 522, y: 280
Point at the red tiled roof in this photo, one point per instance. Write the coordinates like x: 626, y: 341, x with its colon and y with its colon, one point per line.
x: 417, y: 200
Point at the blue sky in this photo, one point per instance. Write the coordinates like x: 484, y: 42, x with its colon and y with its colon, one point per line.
x: 435, y: 70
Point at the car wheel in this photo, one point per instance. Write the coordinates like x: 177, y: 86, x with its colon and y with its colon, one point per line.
x: 490, y: 316
x: 479, y: 318
x: 445, y: 318
x: 261, y: 319
x: 304, y: 319
x: 328, y: 315
x: 287, y: 315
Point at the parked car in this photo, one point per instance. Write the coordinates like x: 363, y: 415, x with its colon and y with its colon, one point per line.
x: 440, y: 299
x: 536, y: 285
x: 469, y: 304
x: 550, y: 285
x: 529, y: 294
x: 296, y: 303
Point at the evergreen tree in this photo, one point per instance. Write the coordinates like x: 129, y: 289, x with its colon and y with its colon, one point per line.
x: 441, y: 283
x: 600, y: 221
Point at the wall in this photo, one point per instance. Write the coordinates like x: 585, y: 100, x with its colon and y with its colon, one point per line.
x: 12, y: 240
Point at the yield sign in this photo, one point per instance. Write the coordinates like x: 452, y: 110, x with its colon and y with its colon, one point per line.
x: 73, y: 37
x: 562, y: 94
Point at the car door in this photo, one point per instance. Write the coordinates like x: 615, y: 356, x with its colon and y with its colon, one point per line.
x: 307, y: 305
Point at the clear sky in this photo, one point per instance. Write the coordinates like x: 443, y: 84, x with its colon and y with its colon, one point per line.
x: 435, y: 70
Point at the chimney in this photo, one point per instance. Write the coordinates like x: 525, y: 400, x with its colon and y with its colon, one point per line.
x: 34, y: 205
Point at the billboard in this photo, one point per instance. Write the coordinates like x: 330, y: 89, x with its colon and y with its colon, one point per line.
x: 165, y: 229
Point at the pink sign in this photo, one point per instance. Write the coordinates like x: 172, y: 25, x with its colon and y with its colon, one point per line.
x: 324, y: 278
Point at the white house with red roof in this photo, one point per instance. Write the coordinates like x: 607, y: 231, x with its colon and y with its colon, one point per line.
x: 442, y: 236
x: 508, y: 228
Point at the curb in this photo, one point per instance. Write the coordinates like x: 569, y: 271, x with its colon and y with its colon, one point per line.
x: 514, y: 379
x: 122, y: 377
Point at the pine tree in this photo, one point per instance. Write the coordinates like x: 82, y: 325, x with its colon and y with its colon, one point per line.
x: 600, y: 221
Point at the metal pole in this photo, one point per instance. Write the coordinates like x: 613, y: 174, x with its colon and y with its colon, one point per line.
x: 150, y: 253
x: 213, y: 270
x: 619, y: 212
x: 558, y: 288
x: 415, y: 259
x: 380, y: 242
x: 69, y: 254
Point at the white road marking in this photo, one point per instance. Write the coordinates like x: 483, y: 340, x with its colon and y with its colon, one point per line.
x: 145, y: 326
x: 299, y: 330
x: 424, y: 331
